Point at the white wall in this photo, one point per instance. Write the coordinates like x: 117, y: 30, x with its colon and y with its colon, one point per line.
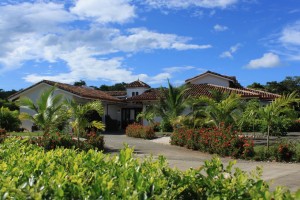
x: 34, y: 94
x: 139, y: 90
x: 211, y: 80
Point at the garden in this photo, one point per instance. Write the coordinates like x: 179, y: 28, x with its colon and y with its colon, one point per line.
x: 218, y: 124
x: 57, y: 164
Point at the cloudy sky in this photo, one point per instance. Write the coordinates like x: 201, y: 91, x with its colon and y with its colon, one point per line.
x: 111, y: 41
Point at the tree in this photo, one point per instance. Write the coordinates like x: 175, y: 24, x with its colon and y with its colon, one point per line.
x: 79, y: 116
x: 171, y: 104
x: 9, y: 119
x: 256, y: 85
x: 115, y: 87
x: 280, y: 108
x: 226, y: 111
x: 250, y: 114
x: 46, y: 109
x: 79, y: 83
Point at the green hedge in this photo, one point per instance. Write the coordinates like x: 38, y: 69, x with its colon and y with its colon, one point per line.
x: 29, y: 172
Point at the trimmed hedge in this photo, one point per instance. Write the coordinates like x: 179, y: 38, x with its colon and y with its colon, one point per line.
x: 29, y: 172
x: 140, y: 131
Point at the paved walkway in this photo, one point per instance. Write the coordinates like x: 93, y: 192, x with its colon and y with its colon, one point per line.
x: 285, y: 174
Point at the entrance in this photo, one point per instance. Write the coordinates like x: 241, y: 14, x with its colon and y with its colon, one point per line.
x: 129, y: 116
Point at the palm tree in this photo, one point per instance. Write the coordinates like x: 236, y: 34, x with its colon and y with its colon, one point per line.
x: 225, y: 111
x: 171, y: 103
x: 46, y: 109
x: 250, y: 114
x: 280, y: 107
x: 78, y: 113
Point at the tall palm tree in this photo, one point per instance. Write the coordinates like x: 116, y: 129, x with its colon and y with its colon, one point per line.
x: 280, y: 107
x: 46, y: 109
x: 78, y: 113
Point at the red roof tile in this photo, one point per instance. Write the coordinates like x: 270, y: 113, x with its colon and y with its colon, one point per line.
x: 205, y: 89
x: 116, y: 93
x: 137, y: 84
x: 84, y: 92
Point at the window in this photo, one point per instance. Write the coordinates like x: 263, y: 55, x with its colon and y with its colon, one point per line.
x: 133, y: 93
x: 136, y: 93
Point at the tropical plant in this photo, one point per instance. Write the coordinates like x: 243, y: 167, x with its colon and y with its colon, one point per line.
x: 79, y: 118
x: 280, y: 108
x: 46, y: 109
x: 171, y: 104
x: 226, y: 111
x: 250, y: 115
x: 9, y: 119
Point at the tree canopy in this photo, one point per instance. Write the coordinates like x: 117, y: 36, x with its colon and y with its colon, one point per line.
x: 288, y: 85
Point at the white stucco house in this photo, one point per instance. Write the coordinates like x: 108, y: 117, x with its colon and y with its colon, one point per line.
x: 122, y: 107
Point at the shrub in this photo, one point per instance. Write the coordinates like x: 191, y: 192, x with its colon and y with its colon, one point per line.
x: 222, y: 141
x: 2, y: 132
x: 69, y: 174
x: 9, y: 119
x: 140, y: 131
x: 53, y: 141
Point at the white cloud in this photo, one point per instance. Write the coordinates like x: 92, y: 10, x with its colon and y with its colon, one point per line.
x: 140, y: 38
x: 268, y: 60
x: 104, y: 11
x: 178, y: 69
x: 220, y: 28
x: 231, y: 51
x: 98, y: 69
x: 181, y: 4
x: 291, y: 34
x: 45, y: 32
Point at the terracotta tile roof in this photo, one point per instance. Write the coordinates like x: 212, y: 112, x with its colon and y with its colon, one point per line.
x: 204, y: 89
x: 83, y: 92
x: 232, y: 78
x: 137, y: 84
x: 264, y: 94
x: 116, y: 93
x: 152, y: 94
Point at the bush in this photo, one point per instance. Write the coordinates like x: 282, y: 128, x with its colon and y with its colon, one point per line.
x: 222, y: 141
x: 53, y: 141
x: 9, y: 119
x: 140, y: 131
x: 69, y: 174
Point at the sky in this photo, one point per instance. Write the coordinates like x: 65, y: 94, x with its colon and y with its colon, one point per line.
x: 113, y: 41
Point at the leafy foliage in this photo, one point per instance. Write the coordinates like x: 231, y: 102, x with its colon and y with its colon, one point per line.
x: 56, y: 140
x: 220, y: 140
x: 140, y: 131
x: 171, y: 104
x: 46, y: 109
x: 28, y: 172
x: 9, y: 119
x: 80, y: 120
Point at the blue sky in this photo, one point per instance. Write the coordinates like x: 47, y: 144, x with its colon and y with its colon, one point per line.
x: 111, y: 41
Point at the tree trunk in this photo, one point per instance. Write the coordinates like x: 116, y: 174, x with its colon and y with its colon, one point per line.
x: 268, y: 135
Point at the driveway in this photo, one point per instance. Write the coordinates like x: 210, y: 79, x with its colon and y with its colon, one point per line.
x: 285, y: 174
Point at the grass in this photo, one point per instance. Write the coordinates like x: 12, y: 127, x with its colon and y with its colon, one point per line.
x: 36, y: 133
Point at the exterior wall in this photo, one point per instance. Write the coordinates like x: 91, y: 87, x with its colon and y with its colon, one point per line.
x: 211, y: 80
x: 139, y: 90
x: 34, y: 94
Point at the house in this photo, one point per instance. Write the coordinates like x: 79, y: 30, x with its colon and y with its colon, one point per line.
x: 122, y: 107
